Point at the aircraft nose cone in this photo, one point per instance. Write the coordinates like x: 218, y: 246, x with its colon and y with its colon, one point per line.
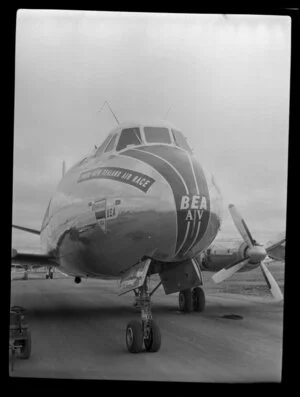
x: 256, y: 253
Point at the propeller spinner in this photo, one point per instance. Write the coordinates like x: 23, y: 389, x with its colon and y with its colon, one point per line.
x: 255, y: 253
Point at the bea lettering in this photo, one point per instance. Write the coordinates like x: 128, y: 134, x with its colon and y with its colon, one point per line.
x: 193, y: 203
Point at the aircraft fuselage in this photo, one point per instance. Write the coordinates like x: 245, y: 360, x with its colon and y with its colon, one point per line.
x: 111, y: 210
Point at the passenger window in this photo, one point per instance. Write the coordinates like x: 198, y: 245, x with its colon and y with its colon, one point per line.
x: 129, y: 136
x: 180, y: 140
x: 157, y: 135
x: 111, y: 144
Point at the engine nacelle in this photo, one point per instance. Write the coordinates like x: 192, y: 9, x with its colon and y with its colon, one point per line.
x: 222, y: 254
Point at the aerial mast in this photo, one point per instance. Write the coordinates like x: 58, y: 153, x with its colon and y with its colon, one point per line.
x: 106, y: 103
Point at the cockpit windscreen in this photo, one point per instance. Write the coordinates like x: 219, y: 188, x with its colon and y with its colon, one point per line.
x: 180, y: 140
x: 157, y: 135
x: 129, y: 136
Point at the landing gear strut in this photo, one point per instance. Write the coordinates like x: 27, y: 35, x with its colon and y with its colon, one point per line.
x: 147, y: 330
x: 25, y: 277
x: 190, y: 300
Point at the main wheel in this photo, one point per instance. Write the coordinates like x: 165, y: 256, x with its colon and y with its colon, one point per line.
x: 153, y: 342
x: 18, y: 309
x: 198, y: 299
x: 134, y: 336
x: 186, y: 301
x: 26, y: 346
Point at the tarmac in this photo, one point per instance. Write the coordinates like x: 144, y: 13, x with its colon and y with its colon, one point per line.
x: 78, y: 332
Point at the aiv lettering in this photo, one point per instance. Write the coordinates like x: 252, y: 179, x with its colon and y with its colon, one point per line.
x: 193, y: 203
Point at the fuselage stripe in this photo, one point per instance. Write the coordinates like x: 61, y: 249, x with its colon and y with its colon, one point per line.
x: 186, y: 166
x: 185, y: 170
x: 195, y: 238
x: 181, y: 172
x: 169, y: 164
x: 184, y: 240
x: 199, y: 220
x: 193, y: 171
x: 169, y: 175
x: 187, y: 233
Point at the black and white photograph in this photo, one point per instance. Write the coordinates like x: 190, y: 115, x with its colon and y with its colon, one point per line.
x: 150, y: 166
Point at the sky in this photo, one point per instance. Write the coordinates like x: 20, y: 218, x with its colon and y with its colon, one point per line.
x: 224, y: 81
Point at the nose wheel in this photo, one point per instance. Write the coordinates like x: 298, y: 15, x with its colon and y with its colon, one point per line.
x: 145, y: 332
x: 134, y: 336
x: 153, y: 341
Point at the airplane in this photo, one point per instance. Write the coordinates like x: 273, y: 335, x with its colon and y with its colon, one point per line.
x: 141, y: 204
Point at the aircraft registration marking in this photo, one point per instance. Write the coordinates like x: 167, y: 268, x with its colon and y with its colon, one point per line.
x: 105, y: 209
x: 134, y: 178
x: 111, y: 212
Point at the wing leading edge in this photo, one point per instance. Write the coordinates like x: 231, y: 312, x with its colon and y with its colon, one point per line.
x: 26, y: 229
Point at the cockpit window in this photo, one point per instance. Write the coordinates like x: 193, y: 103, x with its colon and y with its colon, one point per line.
x: 157, y: 135
x: 102, y: 147
x: 180, y: 140
x: 129, y: 136
x: 111, y: 144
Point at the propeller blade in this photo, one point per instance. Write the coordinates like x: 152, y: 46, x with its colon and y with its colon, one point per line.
x: 276, y: 242
x: 228, y: 271
x: 271, y: 282
x: 241, y: 225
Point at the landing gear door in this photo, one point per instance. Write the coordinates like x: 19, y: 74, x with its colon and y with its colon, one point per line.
x: 134, y: 277
x: 180, y: 276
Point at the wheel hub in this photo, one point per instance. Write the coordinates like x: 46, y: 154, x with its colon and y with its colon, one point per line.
x: 129, y: 336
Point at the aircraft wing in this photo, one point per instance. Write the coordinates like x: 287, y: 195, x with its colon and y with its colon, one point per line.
x: 32, y: 260
x: 26, y: 229
x: 276, y: 247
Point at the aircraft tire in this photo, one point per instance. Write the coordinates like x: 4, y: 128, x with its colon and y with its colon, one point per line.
x: 47, y: 276
x: 134, y: 336
x: 26, y: 347
x: 51, y: 275
x: 185, y: 301
x: 153, y: 343
x: 198, y: 299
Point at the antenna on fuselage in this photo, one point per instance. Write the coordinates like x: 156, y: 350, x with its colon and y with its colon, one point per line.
x: 106, y: 103
x: 167, y: 112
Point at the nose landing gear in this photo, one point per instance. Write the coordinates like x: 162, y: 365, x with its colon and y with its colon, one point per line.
x: 146, y: 331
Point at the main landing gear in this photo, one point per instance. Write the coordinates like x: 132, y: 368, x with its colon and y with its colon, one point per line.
x: 192, y: 299
x: 49, y: 275
x: 146, y: 331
